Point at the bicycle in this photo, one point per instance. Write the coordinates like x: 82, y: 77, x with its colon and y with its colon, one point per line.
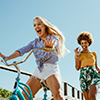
x: 17, y: 93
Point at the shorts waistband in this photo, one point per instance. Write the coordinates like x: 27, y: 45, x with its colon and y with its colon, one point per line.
x: 87, y: 67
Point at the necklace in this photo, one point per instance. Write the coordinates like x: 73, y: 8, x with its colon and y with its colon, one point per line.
x: 86, y: 51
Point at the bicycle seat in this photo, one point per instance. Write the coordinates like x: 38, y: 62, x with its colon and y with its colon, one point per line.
x: 44, y: 85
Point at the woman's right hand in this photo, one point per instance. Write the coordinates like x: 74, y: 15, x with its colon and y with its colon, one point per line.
x: 77, y: 51
x: 49, y: 43
x: 1, y: 55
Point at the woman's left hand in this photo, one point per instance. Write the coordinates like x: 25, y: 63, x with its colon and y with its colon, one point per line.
x: 49, y: 44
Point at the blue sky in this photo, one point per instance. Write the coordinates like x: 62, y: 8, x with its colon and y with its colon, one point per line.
x: 70, y: 16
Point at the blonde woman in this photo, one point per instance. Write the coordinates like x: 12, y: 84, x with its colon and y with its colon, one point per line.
x: 47, y: 62
x: 86, y: 62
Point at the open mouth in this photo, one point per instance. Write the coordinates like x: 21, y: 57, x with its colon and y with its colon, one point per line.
x: 84, y: 47
x: 39, y: 30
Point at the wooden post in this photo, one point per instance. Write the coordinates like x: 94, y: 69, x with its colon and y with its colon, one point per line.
x: 73, y: 92
x: 78, y: 94
x: 82, y: 96
x: 65, y: 89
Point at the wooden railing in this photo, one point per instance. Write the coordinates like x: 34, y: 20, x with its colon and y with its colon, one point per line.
x: 66, y: 86
x: 76, y: 94
x: 14, y: 70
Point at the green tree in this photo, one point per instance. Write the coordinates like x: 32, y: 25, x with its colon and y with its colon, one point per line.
x: 5, y: 93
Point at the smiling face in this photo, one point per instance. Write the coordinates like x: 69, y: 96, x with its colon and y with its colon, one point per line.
x: 84, y: 45
x: 40, y: 28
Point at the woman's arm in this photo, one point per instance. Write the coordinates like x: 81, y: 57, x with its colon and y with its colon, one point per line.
x: 96, y: 67
x: 77, y: 56
x: 77, y: 63
x: 19, y: 52
x: 12, y: 56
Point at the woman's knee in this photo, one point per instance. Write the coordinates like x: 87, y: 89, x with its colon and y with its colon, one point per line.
x: 93, y: 92
x: 93, y: 89
x: 55, y: 85
x: 86, y: 96
x: 58, y: 95
x: 34, y: 85
x: 92, y: 98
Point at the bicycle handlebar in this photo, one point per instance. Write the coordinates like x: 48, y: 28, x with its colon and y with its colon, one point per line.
x: 15, y: 63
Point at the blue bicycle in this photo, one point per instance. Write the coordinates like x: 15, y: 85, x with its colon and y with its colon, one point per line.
x: 19, y: 85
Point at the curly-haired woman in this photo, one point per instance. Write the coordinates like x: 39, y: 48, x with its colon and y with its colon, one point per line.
x: 86, y: 62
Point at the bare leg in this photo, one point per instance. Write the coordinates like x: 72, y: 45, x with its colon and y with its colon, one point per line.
x: 93, y: 92
x: 54, y: 83
x: 34, y: 84
x: 86, y: 95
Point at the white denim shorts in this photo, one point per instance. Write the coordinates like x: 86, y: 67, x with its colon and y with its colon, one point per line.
x: 47, y: 71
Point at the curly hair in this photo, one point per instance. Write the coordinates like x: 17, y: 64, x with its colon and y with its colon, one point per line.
x: 85, y: 36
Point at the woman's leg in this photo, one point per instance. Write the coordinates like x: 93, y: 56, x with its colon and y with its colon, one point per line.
x: 86, y: 95
x: 54, y: 83
x: 34, y: 84
x: 93, y: 92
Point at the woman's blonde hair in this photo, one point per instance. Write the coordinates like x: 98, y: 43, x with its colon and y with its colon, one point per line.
x: 51, y: 29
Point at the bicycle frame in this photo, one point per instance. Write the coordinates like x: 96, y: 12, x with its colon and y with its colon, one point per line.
x: 19, y: 84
